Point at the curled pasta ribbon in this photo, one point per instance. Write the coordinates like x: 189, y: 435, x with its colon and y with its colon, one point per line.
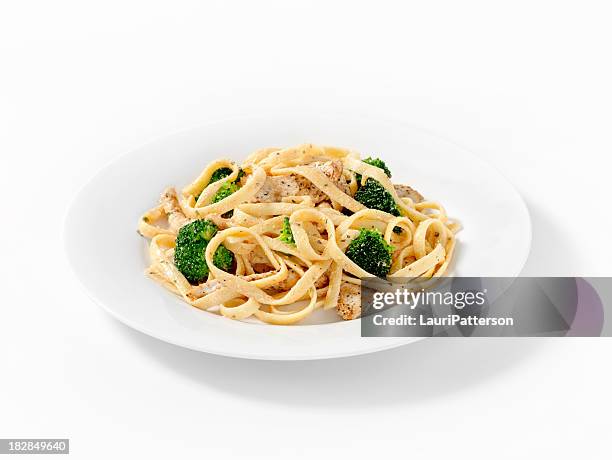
x: 249, y: 289
x: 429, y: 232
x: 323, y: 183
x: 309, y: 274
x: 240, y: 311
x: 162, y: 266
x: 198, y: 185
x: 379, y: 175
x: 244, y: 193
x: 430, y: 245
x: 145, y: 224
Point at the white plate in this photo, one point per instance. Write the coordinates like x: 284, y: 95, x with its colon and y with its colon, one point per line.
x: 109, y: 257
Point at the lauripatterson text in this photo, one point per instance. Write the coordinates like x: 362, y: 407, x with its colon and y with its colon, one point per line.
x: 449, y: 320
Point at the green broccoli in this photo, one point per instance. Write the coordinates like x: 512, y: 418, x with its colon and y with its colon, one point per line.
x: 228, y: 188
x: 286, y: 235
x: 374, y: 162
x: 379, y: 164
x: 223, y: 258
x: 196, y: 231
x: 191, y: 243
x: 374, y: 196
x: 224, y: 191
x: 220, y: 174
x: 371, y: 252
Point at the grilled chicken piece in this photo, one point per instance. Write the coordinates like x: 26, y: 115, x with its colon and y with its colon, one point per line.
x: 349, y: 301
x: 407, y: 191
x: 285, y: 285
x: 322, y: 281
x: 277, y: 187
x: 332, y: 169
x: 169, y: 201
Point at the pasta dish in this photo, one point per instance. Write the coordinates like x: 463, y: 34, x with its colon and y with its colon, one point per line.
x: 291, y: 230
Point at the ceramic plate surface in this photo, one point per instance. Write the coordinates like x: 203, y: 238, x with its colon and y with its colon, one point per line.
x: 109, y: 257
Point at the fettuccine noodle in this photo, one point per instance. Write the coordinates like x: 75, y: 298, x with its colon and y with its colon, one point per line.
x: 280, y: 283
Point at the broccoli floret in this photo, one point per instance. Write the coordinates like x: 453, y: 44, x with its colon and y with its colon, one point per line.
x: 223, y: 258
x: 374, y: 196
x: 189, y: 259
x: 196, y: 231
x: 224, y: 191
x: 374, y: 162
x: 371, y: 252
x: 220, y: 174
x: 286, y: 235
x: 379, y: 164
x: 191, y: 243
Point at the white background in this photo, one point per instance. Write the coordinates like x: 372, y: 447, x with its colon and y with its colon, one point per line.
x: 524, y: 84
